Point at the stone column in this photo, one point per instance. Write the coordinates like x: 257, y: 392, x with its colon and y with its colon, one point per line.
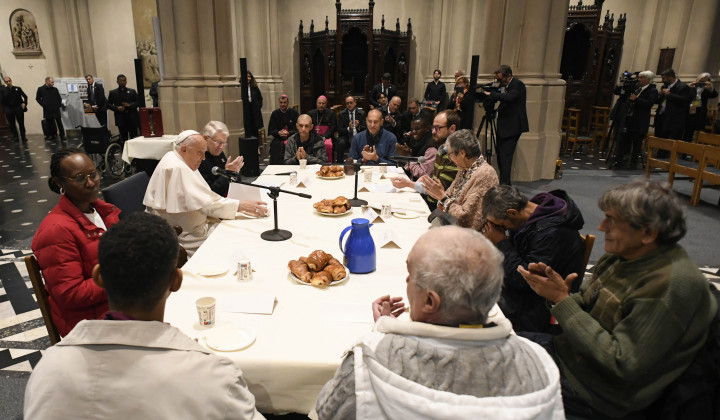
x: 697, y: 48
x: 200, y: 81
x: 72, y: 38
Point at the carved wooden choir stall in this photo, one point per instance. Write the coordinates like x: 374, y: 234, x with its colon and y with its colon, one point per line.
x: 339, y: 62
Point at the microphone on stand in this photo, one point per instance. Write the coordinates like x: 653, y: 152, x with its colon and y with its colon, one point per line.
x: 418, y: 159
x: 442, y: 151
x: 216, y: 170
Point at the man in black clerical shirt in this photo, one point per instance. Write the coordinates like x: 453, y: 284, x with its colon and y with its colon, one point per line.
x: 323, y: 119
x: 50, y: 100
x: 281, y: 127
x: 350, y: 122
x: 216, y: 134
x: 14, y: 102
x: 124, y: 103
x: 383, y: 87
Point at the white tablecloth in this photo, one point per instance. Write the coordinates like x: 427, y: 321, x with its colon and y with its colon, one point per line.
x: 299, y: 346
x: 147, y: 148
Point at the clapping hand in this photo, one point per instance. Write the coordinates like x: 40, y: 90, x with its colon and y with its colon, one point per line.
x: 387, y: 306
x: 546, y: 282
x: 401, y: 182
x: 433, y: 187
x: 369, y: 153
x: 234, y: 165
x: 403, y: 149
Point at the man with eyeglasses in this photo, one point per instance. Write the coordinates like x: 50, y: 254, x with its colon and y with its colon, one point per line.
x: 444, y: 124
x: 350, y: 122
x: 216, y: 134
x: 543, y: 229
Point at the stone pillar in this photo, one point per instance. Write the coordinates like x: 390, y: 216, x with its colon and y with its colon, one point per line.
x: 697, y: 48
x: 200, y: 81
x: 72, y: 38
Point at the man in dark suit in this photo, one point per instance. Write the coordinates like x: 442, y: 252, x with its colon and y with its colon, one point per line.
x: 674, y: 98
x: 49, y: 98
x: 14, y: 102
x: 323, y: 119
x: 413, y: 112
x: 512, y: 118
x: 637, y: 119
x: 350, y: 122
x: 383, y: 87
x: 96, y: 99
x: 393, y: 118
x: 281, y: 127
x: 124, y: 103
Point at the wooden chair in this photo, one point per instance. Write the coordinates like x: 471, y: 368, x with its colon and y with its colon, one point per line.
x: 563, y: 129
x: 711, y: 140
x: 657, y: 143
x: 709, y: 171
x: 589, y: 241
x: 712, y: 115
x: 42, y: 297
x: 688, y: 168
x: 600, y: 123
x: 573, y: 132
x: 263, y: 146
x: 296, y: 107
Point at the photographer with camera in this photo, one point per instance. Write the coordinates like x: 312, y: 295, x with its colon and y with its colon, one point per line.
x: 637, y: 119
x: 674, y: 98
x: 462, y: 101
x: 512, y: 118
x: 627, y: 84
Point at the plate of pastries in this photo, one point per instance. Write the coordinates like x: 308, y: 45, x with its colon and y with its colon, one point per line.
x: 337, y: 207
x: 330, y: 172
x: 319, y: 269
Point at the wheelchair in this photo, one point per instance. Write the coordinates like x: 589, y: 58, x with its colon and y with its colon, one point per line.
x: 104, y: 150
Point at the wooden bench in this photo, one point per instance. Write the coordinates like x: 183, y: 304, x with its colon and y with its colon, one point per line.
x: 709, y: 171
x: 657, y: 143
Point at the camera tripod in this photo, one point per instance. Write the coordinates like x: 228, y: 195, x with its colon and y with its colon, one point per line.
x: 490, y: 124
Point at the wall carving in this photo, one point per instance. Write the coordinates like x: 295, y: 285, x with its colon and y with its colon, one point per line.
x: 24, y: 33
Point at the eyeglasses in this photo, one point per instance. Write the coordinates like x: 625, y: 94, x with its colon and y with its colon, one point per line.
x: 219, y: 143
x: 438, y: 127
x: 82, y: 178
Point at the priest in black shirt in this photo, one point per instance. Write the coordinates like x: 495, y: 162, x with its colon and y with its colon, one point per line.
x: 216, y: 134
x: 281, y: 127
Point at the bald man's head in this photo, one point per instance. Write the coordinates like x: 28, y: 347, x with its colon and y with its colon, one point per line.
x: 304, y: 126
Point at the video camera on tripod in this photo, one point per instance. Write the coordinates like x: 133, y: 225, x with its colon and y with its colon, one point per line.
x: 629, y: 81
x: 488, y: 103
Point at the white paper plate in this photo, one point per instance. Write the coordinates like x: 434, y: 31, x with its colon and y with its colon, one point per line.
x: 331, y: 177
x: 407, y: 215
x: 209, y: 270
x: 230, y: 338
x: 333, y: 214
x: 332, y: 283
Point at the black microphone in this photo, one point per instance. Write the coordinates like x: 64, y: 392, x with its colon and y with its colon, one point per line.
x: 441, y: 151
x: 216, y: 170
x: 418, y: 159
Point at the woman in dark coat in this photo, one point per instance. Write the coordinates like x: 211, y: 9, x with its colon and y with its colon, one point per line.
x: 253, y: 110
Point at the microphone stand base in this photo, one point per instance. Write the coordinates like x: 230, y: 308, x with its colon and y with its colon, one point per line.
x: 356, y: 202
x: 276, y: 235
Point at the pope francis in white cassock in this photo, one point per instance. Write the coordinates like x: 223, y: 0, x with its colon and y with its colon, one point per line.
x: 178, y: 193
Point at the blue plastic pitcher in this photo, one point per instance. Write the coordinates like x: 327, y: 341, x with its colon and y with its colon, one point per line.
x: 359, y: 248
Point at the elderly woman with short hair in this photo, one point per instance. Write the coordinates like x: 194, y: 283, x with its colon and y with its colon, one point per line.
x: 463, y: 199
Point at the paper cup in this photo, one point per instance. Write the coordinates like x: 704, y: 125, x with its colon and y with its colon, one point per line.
x: 303, y: 163
x: 206, y: 311
x: 367, y: 174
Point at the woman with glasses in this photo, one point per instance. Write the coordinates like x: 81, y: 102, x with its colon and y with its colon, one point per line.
x: 463, y: 199
x: 66, y: 243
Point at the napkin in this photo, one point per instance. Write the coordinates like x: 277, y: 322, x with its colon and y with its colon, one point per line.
x: 246, y: 303
x: 372, y: 215
x: 387, y: 240
x: 382, y: 188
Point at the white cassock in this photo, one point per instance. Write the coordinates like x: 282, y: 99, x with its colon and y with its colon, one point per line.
x: 182, y: 197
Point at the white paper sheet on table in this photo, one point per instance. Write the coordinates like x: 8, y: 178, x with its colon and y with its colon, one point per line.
x: 246, y: 303
x: 243, y: 192
x: 347, y: 312
x: 382, y: 188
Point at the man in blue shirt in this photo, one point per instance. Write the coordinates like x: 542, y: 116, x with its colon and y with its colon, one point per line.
x: 373, y: 145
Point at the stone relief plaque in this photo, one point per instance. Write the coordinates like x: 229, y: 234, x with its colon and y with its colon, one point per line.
x: 24, y: 33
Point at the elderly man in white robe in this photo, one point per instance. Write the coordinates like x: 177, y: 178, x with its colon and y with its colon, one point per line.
x: 178, y: 193
x: 453, y: 359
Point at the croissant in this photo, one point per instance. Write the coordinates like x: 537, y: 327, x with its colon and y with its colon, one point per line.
x: 300, y: 270
x: 333, y: 261
x: 338, y: 209
x: 317, y: 260
x: 340, y: 201
x: 324, y: 169
x: 324, y: 209
x: 321, y: 278
x: 336, y: 168
x: 336, y: 271
x: 303, y: 260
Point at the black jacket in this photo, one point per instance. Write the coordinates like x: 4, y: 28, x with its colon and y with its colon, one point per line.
x: 638, y: 117
x: 280, y: 120
x: 512, y: 113
x: 671, y: 122
x: 343, y: 123
x: 377, y: 89
x: 219, y: 184
x: 12, y: 98
x: 552, y: 239
x: 49, y: 98
x: 327, y: 117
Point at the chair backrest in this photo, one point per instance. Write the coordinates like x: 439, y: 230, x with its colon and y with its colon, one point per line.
x: 41, y: 295
x: 128, y: 194
x: 95, y: 139
x: 707, y: 138
x: 657, y: 143
x: 589, y: 241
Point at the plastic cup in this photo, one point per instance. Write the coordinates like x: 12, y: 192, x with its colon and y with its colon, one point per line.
x: 303, y: 163
x: 206, y: 311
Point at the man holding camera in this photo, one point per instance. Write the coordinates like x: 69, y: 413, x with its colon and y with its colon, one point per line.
x: 674, y: 98
x: 637, y: 119
x: 512, y: 118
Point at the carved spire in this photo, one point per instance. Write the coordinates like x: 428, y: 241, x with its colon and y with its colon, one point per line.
x: 312, y: 25
x: 326, y: 23
x: 409, y: 26
x: 382, y: 26
x: 397, y: 25
x: 301, y: 26
x: 621, y: 22
x: 337, y: 5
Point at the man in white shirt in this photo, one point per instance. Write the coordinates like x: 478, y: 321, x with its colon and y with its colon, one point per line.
x: 132, y: 365
x: 178, y: 193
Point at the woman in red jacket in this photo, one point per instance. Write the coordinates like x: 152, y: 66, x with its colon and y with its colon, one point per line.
x: 66, y: 243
